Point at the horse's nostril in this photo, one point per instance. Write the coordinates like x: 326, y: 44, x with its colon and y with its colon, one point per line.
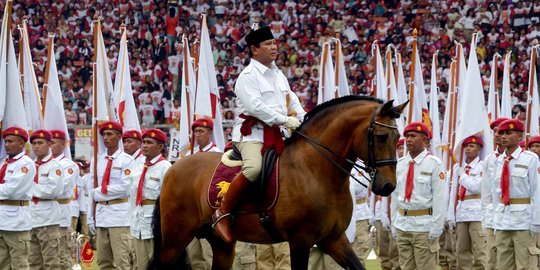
x: 387, y: 189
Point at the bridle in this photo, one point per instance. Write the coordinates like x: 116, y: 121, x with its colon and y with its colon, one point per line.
x: 372, y: 163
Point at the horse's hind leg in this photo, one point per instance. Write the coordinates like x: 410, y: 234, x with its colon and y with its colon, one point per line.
x: 222, y: 253
x: 341, y: 251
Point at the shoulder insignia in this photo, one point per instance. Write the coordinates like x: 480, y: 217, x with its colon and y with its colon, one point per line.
x: 58, y: 172
x: 24, y: 170
x: 70, y: 171
x: 441, y: 175
x: 127, y: 172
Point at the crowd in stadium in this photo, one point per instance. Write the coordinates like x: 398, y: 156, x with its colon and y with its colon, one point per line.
x: 155, y: 31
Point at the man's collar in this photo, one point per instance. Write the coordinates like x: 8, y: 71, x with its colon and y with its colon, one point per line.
x: 262, y: 68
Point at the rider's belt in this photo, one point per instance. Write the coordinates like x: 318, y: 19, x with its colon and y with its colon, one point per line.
x: 361, y: 201
x: 43, y: 200
x: 14, y: 202
x: 520, y: 200
x: 471, y: 197
x: 148, y: 202
x: 115, y: 201
x: 417, y: 212
x: 63, y: 201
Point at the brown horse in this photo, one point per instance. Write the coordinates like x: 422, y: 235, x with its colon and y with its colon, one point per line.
x: 314, y: 204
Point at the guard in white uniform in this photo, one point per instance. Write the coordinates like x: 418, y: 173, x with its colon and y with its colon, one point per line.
x: 464, y: 207
x: 487, y: 201
x: 362, y: 214
x: 516, y: 201
x: 71, y: 177
x: 534, y: 146
x: 419, y: 204
x: 46, y: 212
x: 112, y: 213
x: 17, y: 173
x: 145, y: 189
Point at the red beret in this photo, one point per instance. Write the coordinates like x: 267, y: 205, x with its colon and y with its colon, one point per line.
x: 533, y: 139
x: 511, y: 124
x: 16, y: 131
x: 132, y: 134
x: 41, y: 134
x: 418, y: 127
x: 401, y: 141
x: 203, y: 122
x: 110, y: 125
x: 473, y: 139
x: 155, y: 134
x: 59, y: 134
x: 497, y: 122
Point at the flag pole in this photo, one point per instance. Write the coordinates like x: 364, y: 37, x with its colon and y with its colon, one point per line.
x: 337, y: 57
x: 496, y: 78
x: 323, y: 69
x: 94, y: 112
x: 451, y: 95
x: 413, y: 68
x: 388, y: 67
x: 530, y: 96
x: 47, y: 69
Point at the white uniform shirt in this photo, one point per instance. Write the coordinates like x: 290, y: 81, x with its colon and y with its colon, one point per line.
x: 86, y: 184
x: 17, y: 186
x: 523, y: 184
x: 141, y: 218
x: 49, y: 187
x: 487, y: 182
x: 211, y: 147
x: 466, y: 210
x: 428, y: 192
x: 71, y: 177
x: 361, y: 210
x: 113, y: 215
x: 262, y: 93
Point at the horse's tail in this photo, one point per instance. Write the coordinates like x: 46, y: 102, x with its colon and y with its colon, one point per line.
x: 156, y: 230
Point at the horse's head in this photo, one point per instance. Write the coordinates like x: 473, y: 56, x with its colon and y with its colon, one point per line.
x: 379, y: 153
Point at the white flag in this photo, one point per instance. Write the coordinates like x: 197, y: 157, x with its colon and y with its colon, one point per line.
x: 327, y: 76
x: 380, y: 79
x: 434, y: 111
x: 506, y: 97
x: 342, y: 83
x: 533, y: 100
x: 493, y: 107
x: 420, y: 112
x: 32, y: 97
x: 53, y: 110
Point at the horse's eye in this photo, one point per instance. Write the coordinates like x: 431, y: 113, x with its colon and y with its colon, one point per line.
x: 382, y: 138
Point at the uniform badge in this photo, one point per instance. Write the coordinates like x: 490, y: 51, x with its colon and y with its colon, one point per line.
x: 441, y: 175
x: 58, y: 172
x: 127, y: 172
x: 24, y: 170
x: 70, y: 171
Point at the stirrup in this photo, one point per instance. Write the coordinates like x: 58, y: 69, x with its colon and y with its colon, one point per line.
x: 217, y: 219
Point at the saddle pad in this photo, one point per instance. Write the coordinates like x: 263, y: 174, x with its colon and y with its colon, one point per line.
x: 221, y: 179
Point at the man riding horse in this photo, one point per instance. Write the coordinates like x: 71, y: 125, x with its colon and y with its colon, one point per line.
x: 264, y: 101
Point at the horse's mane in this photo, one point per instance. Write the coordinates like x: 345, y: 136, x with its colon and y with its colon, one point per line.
x: 330, y: 105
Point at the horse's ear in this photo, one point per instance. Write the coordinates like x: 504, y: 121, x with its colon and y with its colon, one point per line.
x: 389, y: 110
x: 400, y: 108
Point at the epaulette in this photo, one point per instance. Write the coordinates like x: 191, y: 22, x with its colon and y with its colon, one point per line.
x: 247, y: 70
x: 528, y: 152
x: 438, y: 160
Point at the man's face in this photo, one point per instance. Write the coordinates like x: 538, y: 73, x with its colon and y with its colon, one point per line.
x: 14, y: 145
x: 41, y: 147
x: 151, y: 148
x: 535, y: 148
x: 131, y: 145
x: 202, y: 135
x: 472, y: 150
x: 400, y: 151
x: 496, y: 137
x: 510, y: 138
x: 266, y: 52
x: 111, y: 138
x: 57, y: 146
x: 416, y: 142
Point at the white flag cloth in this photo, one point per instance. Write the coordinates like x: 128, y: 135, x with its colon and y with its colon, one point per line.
x: 380, y: 76
x: 342, y: 81
x: 535, y: 109
x: 123, y: 92
x: 327, y: 84
x: 53, y: 111
x: 506, y: 97
x: 434, y: 111
x: 472, y: 104
x: 420, y: 112
x: 493, y: 107
x: 207, y: 97
x: 32, y: 97
x: 392, y: 87
x: 401, y: 88
x: 9, y: 87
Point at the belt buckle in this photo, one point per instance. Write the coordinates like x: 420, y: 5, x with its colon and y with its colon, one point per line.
x: 405, y: 212
x: 21, y: 203
x: 430, y: 211
x: 107, y: 203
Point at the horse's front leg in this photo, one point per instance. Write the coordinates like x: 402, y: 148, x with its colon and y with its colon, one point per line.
x: 341, y: 251
x: 299, y: 255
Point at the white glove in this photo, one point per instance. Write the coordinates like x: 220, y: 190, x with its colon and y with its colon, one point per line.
x: 459, y: 171
x: 292, y: 122
x: 451, y: 225
x: 92, y: 228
